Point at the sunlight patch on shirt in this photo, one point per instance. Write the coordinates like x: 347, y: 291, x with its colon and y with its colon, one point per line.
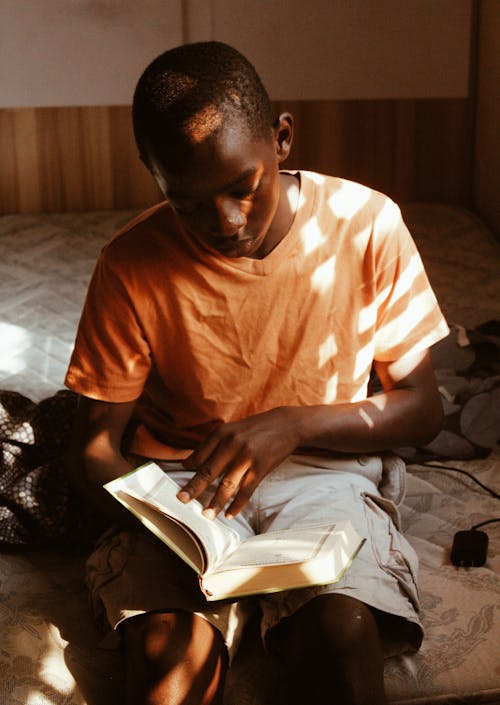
x: 324, y: 275
x: 327, y: 350
x: 331, y: 388
x: 420, y: 344
x: 349, y: 200
x: 389, y: 217
x: 362, y: 236
x: 367, y: 318
x: 311, y: 236
x: 317, y: 178
x: 404, y: 283
x: 405, y: 325
x: 407, y: 278
x: 364, y: 360
x: 361, y: 393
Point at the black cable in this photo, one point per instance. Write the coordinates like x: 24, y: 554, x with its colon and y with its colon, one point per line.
x: 439, y: 466
x: 483, y: 523
x: 463, y: 472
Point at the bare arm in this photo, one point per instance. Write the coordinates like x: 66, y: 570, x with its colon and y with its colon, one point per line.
x: 408, y: 412
x: 95, y: 453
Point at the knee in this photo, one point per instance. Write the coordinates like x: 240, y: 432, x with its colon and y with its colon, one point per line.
x: 333, y: 639
x: 336, y: 625
x: 174, y: 658
x: 158, y: 637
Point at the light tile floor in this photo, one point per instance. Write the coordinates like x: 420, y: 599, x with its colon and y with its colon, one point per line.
x: 45, y: 265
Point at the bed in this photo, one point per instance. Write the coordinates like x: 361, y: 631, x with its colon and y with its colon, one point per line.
x: 51, y: 653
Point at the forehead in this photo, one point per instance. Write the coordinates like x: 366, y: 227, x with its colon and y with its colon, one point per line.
x: 226, y: 156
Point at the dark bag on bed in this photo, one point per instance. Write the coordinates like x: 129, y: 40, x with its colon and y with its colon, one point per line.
x: 37, y: 504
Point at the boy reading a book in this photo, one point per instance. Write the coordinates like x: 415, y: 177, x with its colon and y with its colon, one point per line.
x: 229, y: 333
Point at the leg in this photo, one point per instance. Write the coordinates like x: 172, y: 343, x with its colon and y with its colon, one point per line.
x: 333, y: 653
x: 174, y: 658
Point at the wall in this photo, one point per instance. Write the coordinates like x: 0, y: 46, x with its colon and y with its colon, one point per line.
x: 395, y: 110
x: 80, y: 52
x: 352, y: 49
x: 487, y: 145
x: 91, y: 52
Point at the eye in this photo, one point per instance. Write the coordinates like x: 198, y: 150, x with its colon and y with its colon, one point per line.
x: 246, y: 194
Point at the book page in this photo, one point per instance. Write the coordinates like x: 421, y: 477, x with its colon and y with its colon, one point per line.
x: 280, y: 547
x: 150, y: 485
x: 177, y: 536
x: 284, y: 560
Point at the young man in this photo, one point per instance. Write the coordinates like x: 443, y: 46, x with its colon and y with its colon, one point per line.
x: 229, y: 333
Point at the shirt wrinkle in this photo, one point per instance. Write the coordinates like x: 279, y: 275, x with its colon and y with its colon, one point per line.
x: 203, y: 338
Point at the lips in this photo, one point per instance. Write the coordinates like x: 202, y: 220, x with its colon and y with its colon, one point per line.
x: 224, y: 245
x: 238, y: 247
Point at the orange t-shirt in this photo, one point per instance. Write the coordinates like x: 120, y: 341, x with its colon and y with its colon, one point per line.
x: 199, y: 338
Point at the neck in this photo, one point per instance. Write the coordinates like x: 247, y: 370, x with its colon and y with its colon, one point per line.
x: 285, y: 213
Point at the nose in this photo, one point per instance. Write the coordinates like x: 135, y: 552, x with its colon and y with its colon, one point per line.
x: 230, y: 217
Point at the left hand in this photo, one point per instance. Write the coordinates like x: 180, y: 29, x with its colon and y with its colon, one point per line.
x: 242, y: 453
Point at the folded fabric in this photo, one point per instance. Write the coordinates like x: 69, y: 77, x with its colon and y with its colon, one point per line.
x: 467, y: 366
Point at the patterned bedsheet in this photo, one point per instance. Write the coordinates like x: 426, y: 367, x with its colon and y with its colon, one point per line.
x: 52, y: 654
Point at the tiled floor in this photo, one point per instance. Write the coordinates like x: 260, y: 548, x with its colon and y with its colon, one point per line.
x: 46, y: 262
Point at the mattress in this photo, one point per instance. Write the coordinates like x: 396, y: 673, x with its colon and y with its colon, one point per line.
x: 51, y: 653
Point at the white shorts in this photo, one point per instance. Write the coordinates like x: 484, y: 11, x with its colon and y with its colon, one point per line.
x: 131, y: 573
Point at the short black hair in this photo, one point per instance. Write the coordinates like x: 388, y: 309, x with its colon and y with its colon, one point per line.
x: 190, y: 79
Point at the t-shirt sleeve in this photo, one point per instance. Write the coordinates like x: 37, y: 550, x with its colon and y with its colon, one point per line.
x: 409, y: 319
x: 111, y: 358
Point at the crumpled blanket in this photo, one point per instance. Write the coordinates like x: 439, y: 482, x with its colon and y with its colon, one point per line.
x: 39, y: 507
x: 467, y: 366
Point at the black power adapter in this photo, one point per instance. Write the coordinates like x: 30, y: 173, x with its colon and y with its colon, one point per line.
x: 469, y: 549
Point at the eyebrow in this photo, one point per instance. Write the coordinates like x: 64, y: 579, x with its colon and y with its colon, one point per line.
x: 246, y: 174
x: 242, y: 177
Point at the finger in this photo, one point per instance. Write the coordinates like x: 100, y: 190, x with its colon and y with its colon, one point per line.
x: 226, y: 458
x: 205, y: 474
x: 245, y: 491
x: 209, y: 461
x: 227, y: 488
x: 202, y: 478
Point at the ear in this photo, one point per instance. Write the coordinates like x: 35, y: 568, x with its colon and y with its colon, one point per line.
x: 283, y: 135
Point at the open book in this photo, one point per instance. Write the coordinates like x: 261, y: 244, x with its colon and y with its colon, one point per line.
x: 227, y: 565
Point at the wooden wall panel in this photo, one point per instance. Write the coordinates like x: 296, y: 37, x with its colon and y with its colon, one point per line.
x: 411, y: 150
x: 70, y: 159
x: 84, y: 158
x: 487, y: 128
